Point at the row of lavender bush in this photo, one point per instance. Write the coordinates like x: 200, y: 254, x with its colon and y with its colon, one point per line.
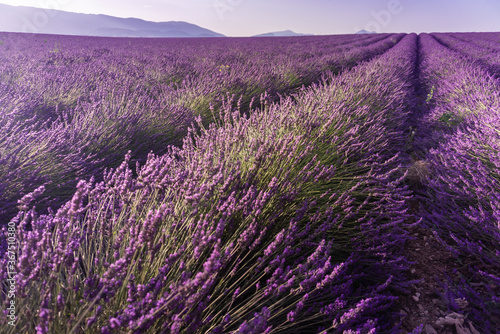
x: 482, y: 41
x: 72, y: 117
x: 286, y: 220
x: 461, y: 202
x: 487, y: 40
x: 72, y: 106
x: 484, y: 48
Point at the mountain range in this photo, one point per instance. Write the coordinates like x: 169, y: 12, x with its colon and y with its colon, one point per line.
x: 365, y: 32
x: 285, y: 33
x: 51, y: 21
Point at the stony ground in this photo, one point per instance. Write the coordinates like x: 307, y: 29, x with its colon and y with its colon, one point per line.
x: 424, y: 306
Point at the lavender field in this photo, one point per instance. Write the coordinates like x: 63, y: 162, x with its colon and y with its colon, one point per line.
x: 315, y: 184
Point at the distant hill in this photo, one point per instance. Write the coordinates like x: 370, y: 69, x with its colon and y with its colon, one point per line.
x: 285, y: 33
x: 50, y: 21
x: 365, y: 32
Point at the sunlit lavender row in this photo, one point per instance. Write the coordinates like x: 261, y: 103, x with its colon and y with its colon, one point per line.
x: 245, y: 185
x: 73, y: 106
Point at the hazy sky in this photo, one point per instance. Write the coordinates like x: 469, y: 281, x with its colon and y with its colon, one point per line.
x: 251, y: 17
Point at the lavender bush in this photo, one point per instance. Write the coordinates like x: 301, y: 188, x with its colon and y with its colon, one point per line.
x: 74, y: 106
x: 482, y: 48
x: 259, y: 223
x: 252, y: 198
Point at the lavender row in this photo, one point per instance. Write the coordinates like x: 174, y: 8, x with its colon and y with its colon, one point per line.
x: 73, y: 106
x: 44, y: 66
x: 487, y: 55
x: 461, y: 202
x: 288, y: 219
x: 486, y: 40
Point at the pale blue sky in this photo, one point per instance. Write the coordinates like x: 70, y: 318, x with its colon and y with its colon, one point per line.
x: 251, y: 17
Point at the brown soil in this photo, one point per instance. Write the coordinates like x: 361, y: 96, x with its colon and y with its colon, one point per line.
x: 432, y: 260
x: 424, y: 306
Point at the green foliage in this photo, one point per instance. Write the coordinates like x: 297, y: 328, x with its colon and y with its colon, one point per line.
x: 430, y: 95
x: 450, y: 119
x: 56, y: 48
